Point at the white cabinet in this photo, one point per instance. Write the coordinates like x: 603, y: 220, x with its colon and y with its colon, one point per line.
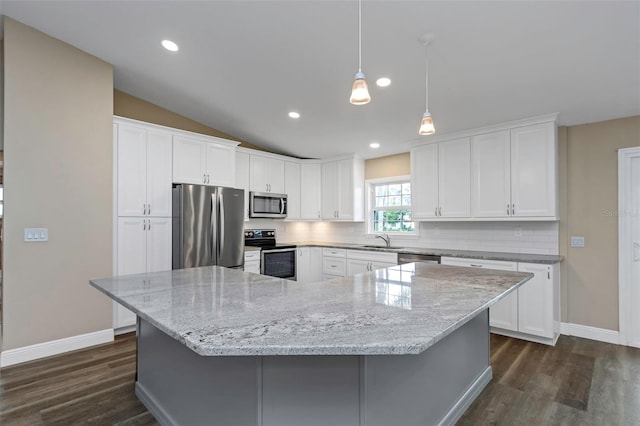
x: 359, y: 261
x: 266, y: 174
x: 504, y: 313
x: 208, y: 161
x: 143, y: 245
x: 536, y: 300
x: 310, y: 193
x: 441, y: 183
x: 309, y: 264
x: 242, y: 179
x: 143, y: 169
x: 334, y: 262
x: 252, y: 261
x: 292, y: 189
x: 515, y: 173
x: 532, y: 311
x: 343, y: 190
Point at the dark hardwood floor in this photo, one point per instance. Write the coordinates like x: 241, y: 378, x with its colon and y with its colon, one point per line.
x: 579, y: 382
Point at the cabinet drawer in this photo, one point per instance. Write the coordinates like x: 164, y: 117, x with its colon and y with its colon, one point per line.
x: 479, y: 263
x: 251, y: 255
x: 333, y: 252
x: 373, y: 256
x: 334, y: 266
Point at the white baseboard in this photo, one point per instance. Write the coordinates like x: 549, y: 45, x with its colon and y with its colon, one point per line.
x: 593, y: 333
x: 54, y: 347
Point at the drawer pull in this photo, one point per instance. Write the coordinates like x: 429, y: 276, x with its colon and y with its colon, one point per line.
x: 476, y: 266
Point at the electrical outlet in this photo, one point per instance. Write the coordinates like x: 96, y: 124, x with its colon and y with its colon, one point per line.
x: 577, y: 241
x: 32, y: 235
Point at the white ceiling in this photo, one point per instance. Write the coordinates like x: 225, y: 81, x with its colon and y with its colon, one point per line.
x: 243, y: 65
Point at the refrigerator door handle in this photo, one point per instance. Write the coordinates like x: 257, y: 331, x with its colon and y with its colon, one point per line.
x: 214, y: 224
x: 222, y: 225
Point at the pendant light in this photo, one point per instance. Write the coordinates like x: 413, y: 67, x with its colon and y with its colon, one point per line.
x: 360, y: 90
x: 426, y: 125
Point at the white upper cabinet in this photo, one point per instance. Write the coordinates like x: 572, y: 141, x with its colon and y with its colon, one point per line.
x: 534, y: 170
x: 492, y: 174
x: 242, y: 179
x: 343, y: 190
x: 310, y: 194
x: 515, y: 173
x: 266, y: 174
x: 292, y: 189
x: 209, y: 161
x: 440, y: 176
x: 143, y: 171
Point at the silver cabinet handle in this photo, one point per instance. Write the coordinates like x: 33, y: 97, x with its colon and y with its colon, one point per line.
x: 436, y: 212
x: 513, y: 209
x: 149, y: 225
x: 204, y: 178
x: 507, y: 209
x: 149, y: 209
x: 144, y: 225
x: 636, y: 251
x: 318, y: 214
x: 144, y: 210
x: 440, y: 211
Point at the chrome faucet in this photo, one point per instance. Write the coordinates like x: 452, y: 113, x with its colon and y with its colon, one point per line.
x: 386, y: 239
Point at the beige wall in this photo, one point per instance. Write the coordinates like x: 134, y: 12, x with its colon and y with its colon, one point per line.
x: 58, y: 175
x: 391, y: 165
x: 591, y: 197
x: 126, y: 105
x: 1, y: 93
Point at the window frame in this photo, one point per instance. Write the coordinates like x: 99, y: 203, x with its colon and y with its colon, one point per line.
x: 370, y: 184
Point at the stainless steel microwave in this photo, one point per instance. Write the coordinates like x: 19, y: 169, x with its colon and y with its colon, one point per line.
x: 267, y: 204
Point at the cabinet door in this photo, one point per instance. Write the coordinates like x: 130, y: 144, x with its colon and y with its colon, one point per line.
x: 275, y: 176
x: 132, y: 245
x: 131, y: 169
x: 221, y: 165
x: 159, y: 174
x: 535, y: 301
x: 315, y: 262
x: 189, y: 160
x: 534, y: 170
x: 303, y: 265
x: 292, y: 189
x: 258, y: 176
x: 330, y: 190
x: 424, y: 181
x: 357, y: 266
x: 159, y: 244
x: 310, y: 194
x: 454, y: 177
x: 345, y: 190
x: 381, y: 265
x: 491, y: 181
x: 253, y: 267
x: 242, y: 179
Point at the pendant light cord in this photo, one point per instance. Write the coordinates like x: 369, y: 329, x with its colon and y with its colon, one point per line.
x: 359, y: 35
x: 426, y: 78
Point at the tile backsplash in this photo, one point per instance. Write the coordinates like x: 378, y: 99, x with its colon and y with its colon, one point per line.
x: 515, y: 237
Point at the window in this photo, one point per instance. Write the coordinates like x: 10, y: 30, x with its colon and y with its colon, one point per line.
x: 390, y: 207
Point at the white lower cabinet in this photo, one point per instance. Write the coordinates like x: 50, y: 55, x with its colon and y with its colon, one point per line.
x: 309, y: 265
x: 144, y: 245
x: 252, y: 261
x: 334, y: 262
x: 531, y: 312
x: 359, y: 261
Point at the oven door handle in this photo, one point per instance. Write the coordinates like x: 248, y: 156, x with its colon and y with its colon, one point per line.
x: 278, y: 250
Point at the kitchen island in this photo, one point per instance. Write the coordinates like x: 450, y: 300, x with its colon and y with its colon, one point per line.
x: 405, y: 345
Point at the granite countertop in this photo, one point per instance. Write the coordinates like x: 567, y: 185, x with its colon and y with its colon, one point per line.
x: 469, y: 254
x: 398, y: 310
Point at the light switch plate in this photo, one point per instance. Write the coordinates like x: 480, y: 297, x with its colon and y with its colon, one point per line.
x: 32, y: 235
x: 577, y: 241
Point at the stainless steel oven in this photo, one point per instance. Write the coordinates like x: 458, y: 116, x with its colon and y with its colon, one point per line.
x: 276, y: 260
x: 266, y: 204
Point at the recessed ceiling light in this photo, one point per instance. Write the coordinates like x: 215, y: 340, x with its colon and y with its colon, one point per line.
x: 169, y: 45
x: 374, y: 145
x: 294, y: 114
x: 383, y: 81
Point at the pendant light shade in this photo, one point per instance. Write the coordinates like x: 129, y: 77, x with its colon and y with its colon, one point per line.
x: 426, y: 125
x: 360, y: 89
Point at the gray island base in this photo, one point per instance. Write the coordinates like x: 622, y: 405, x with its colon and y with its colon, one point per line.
x: 407, y: 345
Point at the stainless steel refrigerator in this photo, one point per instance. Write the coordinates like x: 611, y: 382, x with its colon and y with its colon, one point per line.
x: 207, y: 226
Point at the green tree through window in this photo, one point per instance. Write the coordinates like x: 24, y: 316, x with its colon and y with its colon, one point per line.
x: 391, y: 207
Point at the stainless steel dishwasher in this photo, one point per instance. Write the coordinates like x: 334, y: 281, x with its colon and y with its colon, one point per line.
x: 425, y: 258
